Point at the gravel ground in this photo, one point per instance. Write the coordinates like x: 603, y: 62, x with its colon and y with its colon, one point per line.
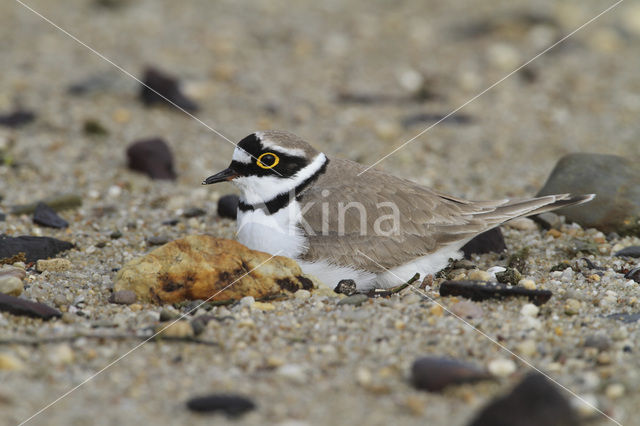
x: 275, y: 64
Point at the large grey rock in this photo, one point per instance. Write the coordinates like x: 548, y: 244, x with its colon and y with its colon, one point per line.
x: 615, y: 181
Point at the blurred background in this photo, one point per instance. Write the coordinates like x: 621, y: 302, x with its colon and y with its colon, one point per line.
x: 356, y: 79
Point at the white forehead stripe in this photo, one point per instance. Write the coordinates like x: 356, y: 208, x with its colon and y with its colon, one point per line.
x: 268, y: 143
x: 241, y: 156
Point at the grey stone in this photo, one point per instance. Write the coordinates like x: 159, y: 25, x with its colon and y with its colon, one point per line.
x: 616, y: 182
x: 356, y: 300
x: 123, y: 297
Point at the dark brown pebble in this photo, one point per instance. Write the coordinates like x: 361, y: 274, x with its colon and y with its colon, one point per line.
x: 46, y: 216
x: 231, y: 405
x: 534, y: 401
x: 632, y: 251
x: 487, y: 242
x: 347, y: 287
x: 152, y: 157
x: 436, y: 373
x: 425, y: 118
x: 34, y: 248
x: 633, y: 274
x: 17, y: 118
x: 228, y: 206
x: 23, y: 307
x: 157, y: 83
x: 477, y: 291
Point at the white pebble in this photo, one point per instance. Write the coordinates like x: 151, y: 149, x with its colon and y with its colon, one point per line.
x: 502, y: 367
x: 529, y: 310
x: 615, y: 390
x: 527, y: 283
x: 114, y: 191
x: 61, y: 354
x: 302, y: 294
x: 478, y: 275
x: 495, y: 270
x: 527, y: 348
x: 247, y: 302
x: 586, y: 405
x: 292, y: 372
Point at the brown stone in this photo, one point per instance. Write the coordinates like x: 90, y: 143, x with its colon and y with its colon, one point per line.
x: 209, y: 268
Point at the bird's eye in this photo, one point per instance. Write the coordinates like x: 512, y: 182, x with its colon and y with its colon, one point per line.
x: 268, y: 160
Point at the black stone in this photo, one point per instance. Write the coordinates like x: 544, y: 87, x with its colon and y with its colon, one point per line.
x: 165, y: 85
x: 436, y: 373
x: 534, y: 401
x: 17, y: 118
x: 491, y: 241
x: 152, y: 157
x: 347, y: 287
x: 632, y: 251
x: 194, y: 212
x: 46, y: 216
x: 171, y: 222
x: 34, y: 248
x: 633, y: 274
x: 477, y: 291
x: 228, y: 206
x: 3, y: 217
x: 23, y: 307
x: 626, y: 318
x: 231, y: 405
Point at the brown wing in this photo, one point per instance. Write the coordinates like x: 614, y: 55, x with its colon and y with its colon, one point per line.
x: 345, y: 213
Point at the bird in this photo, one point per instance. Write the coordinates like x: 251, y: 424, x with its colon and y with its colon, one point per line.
x: 340, y: 220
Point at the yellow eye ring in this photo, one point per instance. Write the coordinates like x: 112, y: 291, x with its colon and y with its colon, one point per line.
x: 264, y: 166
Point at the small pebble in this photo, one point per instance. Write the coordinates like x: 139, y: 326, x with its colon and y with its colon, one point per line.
x: 433, y: 374
x: 529, y: 310
x: 231, y: 405
x: 247, y: 302
x: 355, y: 300
x: 61, y: 354
x: 527, y: 283
x: 466, y: 309
x: 167, y: 314
x: 123, y: 297
x: 599, y: 341
x: 478, y: 275
x: 346, y: 287
x: 9, y: 362
x: 194, y: 212
x: 302, y: 294
x: 614, y: 390
x: 572, y: 307
x: 46, y: 216
x: 178, y: 329
x: 527, y: 348
x: 158, y: 240
x: 11, y: 285
x: 263, y: 306
x: 502, y: 367
x: 53, y: 265
x: 522, y: 224
x: 292, y: 372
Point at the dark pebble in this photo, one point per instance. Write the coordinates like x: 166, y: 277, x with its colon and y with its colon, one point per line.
x: 34, y: 248
x: 228, y: 206
x: 534, y: 401
x: 626, y: 318
x: 518, y: 260
x: 435, y: 373
x: 476, y: 291
x: 123, y: 297
x: 633, y: 274
x: 152, y: 157
x: 23, y: 307
x: 194, y: 212
x: 425, y: 118
x: 171, y: 222
x: 158, y: 240
x: 3, y: 217
x: 598, y: 341
x: 509, y: 276
x: 199, y: 323
x: 94, y: 128
x: 632, y: 251
x: 17, y: 118
x: 231, y: 405
x: 487, y: 242
x: 46, y: 216
x: 115, y: 235
x: 347, y: 287
x: 167, y: 86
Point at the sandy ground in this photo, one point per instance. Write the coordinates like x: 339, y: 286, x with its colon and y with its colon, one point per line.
x: 274, y: 64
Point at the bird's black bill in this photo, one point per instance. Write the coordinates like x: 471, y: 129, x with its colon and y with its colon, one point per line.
x: 223, y: 176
